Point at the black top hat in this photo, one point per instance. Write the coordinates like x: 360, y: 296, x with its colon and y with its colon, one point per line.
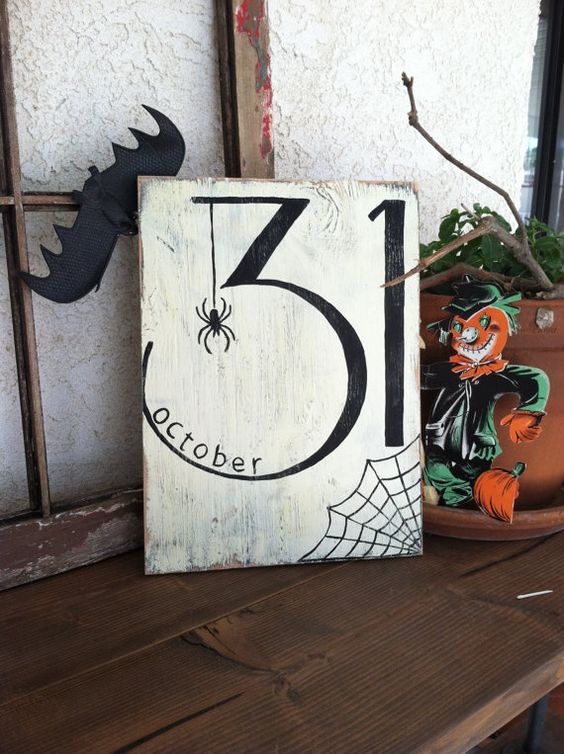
x: 471, y: 295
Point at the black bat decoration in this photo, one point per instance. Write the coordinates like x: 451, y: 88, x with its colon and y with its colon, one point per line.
x: 108, y: 209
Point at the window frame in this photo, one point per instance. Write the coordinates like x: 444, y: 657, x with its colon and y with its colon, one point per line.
x: 549, y: 112
x: 50, y: 538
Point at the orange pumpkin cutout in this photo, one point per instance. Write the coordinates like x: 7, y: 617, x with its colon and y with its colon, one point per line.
x: 496, y: 490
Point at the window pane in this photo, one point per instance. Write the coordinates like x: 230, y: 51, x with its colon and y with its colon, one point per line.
x: 535, y: 97
x: 81, y: 72
x: 90, y: 370
x: 556, y: 217
x: 13, y: 477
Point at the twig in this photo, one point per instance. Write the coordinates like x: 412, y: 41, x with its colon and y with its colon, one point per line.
x: 557, y: 291
x: 471, y: 214
x: 534, y: 594
x: 483, y: 228
x: 414, y: 121
x: 517, y: 244
x: 461, y: 269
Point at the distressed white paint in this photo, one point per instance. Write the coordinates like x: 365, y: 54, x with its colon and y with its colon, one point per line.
x: 279, y: 389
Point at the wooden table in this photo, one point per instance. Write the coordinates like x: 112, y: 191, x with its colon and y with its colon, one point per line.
x: 425, y: 654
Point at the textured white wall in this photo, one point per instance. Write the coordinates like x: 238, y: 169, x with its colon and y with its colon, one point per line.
x: 13, y: 484
x: 340, y: 109
x: 81, y: 69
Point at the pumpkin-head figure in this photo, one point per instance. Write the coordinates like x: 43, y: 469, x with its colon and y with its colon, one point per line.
x: 481, y: 322
x: 482, y: 336
x: 460, y: 438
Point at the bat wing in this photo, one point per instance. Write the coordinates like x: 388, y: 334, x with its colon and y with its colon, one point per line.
x: 108, y: 209
x: 87, y: 248
x: 161, y: 154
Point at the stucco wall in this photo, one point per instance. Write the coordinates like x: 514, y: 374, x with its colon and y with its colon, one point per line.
x: 13, y: 485
x: 340, y: 109
x: 81, y: 69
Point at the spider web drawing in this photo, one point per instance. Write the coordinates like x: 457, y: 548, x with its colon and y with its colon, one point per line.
x: 381, y: 518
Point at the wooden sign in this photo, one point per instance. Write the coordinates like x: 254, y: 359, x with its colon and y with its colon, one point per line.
x: 281, y: 399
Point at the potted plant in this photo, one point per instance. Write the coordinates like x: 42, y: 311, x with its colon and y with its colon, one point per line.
x: 479, y: 244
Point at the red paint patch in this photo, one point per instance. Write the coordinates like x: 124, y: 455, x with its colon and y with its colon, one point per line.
x: 249, y: 16
x: 266, y: 140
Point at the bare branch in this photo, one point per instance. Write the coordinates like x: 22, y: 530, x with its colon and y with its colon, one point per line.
x: 517, y: 244
x: 483, y: 228
x: 522, y: 253
x: 471, y: 213
x: 557, y: 291
x: 461, y: 269
x: 414, y: 121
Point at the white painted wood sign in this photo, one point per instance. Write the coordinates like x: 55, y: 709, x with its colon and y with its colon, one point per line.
x: 281, y: 400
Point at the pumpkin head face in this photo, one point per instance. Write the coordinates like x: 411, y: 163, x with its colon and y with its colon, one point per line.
x: 496, y: 490
x: 481, y: 337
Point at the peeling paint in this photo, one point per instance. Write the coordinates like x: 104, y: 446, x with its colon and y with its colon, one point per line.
x: 249, y: 17
x: 69, y: 539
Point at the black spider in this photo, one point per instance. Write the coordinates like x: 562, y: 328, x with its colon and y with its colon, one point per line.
x: 214, y: 324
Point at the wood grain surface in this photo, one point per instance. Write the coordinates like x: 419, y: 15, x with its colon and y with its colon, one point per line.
x: 399, y: 656
x: 246, y: 88
x: 34, y: 548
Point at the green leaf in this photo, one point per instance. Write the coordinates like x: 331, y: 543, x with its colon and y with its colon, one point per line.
x: 447, y: 227
x: 427, y: 249
x: 502, y: 221
x: 466, y: 221
x: 488, y: 252
x: 537, y: 225
x: 546, y: 243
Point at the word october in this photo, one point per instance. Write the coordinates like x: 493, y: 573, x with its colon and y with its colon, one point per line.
x: 184, y: 441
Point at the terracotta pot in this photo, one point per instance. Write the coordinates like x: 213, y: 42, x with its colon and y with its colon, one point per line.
x: 539, y: 343
x: 465, y: 524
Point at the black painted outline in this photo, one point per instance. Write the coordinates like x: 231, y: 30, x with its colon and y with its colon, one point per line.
x: 215, y: 324
x: 394, y: 317
x: 405, y: 539
x: 356, y: 387
x: 246, y: 273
